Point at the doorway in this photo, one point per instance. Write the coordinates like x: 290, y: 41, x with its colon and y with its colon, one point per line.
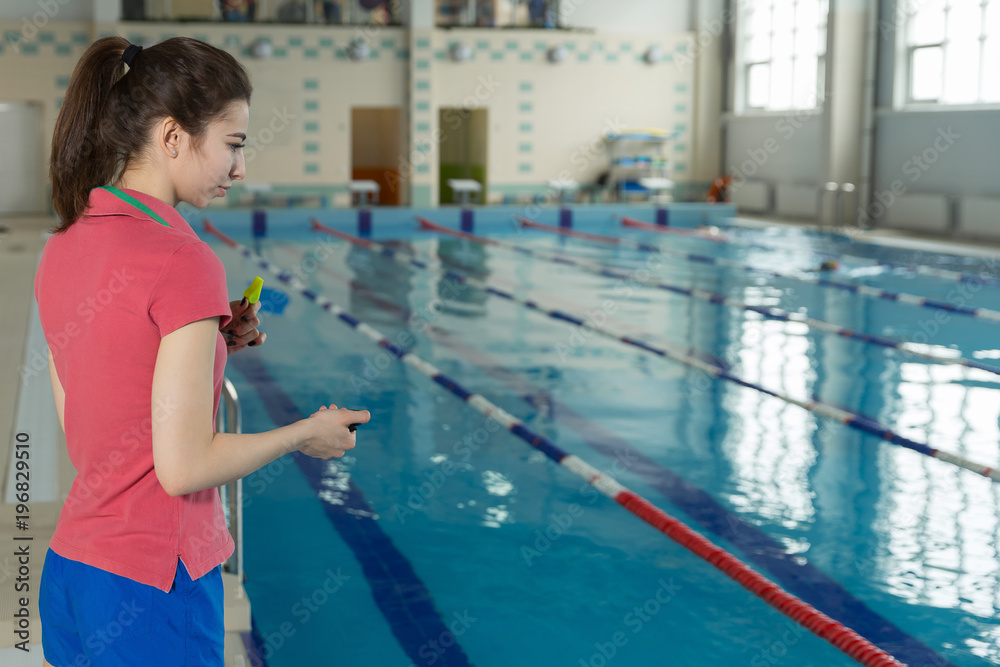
x: 462, y: 151
x: 376, y: 149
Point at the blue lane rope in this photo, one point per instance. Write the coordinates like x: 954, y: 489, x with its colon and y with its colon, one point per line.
x: 717, y: 298
x: 986, y: 314
x: 921, y: 269
x: 852, y: 419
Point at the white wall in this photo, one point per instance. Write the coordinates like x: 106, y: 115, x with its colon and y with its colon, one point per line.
x: 544, y: 108
x: 791, y: 145
x: 543, y: 122
x: 908, y: 148
x: 628, y: 15
x: 37, y: 73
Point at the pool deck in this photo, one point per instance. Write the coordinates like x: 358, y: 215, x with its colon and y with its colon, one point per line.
x: 892, y: 238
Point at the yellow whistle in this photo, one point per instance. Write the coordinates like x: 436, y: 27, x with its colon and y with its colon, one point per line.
x: 252, y: 293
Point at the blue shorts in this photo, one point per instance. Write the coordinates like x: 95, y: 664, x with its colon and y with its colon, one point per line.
x: 92, y: 618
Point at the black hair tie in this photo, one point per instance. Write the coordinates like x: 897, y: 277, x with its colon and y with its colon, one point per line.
x: 131, y: 51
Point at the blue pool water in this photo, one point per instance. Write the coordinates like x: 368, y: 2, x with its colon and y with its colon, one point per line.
x: 441, y: 541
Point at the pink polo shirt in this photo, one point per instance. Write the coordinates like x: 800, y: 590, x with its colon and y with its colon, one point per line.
x: 108, y: 289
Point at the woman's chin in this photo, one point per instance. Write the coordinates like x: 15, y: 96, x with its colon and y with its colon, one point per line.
x: 201, y: 202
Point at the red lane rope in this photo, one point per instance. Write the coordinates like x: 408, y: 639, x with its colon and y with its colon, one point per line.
x: 209, y: 227
x: 601, y: 238
x: 850, y: 642
x: 663, y: 229
x: 317, y: 225
x: 427, y: 224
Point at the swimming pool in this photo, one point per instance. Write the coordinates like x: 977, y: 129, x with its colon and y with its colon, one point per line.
x: 443, y: 539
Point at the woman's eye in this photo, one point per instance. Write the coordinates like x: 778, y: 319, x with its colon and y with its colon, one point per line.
x: 237, y: 146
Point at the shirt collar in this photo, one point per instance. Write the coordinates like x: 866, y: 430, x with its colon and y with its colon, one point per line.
x: 105, y: 203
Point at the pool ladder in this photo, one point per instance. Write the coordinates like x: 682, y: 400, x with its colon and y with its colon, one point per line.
x: 229, y: 419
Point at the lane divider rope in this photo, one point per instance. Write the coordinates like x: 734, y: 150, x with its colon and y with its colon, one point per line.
x: 851, y: 419
x: 714, y: 297
x: 840, y: 636
x: 773, y: 559
x: 693, y: 233
x: 986, y: 314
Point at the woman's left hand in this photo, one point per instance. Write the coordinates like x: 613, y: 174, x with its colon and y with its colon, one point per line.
x: 242, y: 331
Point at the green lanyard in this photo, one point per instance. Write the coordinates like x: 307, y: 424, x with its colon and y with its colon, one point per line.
x: 129, y: 199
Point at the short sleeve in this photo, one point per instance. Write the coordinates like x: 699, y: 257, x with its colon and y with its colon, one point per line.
x: 191, y: 287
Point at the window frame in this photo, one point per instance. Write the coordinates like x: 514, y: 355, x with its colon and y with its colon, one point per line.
x: 904, y: 70
x: 741, y: 89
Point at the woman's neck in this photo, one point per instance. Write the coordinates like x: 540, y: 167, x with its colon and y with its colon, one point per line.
x: 152, y: 184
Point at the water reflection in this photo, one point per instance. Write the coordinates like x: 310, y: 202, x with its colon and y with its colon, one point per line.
x: 770, y: 449
x: 940, y: 523
x: 381, y: 279
x: 470, y: 259
x: 925, y: 531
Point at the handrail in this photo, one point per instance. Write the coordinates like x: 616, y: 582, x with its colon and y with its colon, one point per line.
x: 229, y: 419
x: 840, y: 210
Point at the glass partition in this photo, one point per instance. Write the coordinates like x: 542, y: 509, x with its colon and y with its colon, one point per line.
x: 447, y: 13
x: 334, y: 12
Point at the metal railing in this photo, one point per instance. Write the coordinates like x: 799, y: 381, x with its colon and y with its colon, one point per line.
x: 841, y: 211
x: 229, y: 419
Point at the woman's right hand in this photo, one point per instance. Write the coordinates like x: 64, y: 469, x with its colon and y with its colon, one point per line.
x: 328, y: 435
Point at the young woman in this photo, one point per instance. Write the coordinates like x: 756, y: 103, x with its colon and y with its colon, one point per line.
x: 135, y: 312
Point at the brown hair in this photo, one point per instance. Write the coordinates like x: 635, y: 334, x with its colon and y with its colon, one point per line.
x: 107, y: 114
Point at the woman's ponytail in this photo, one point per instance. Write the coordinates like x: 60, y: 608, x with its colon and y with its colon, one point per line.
x: 108, y: 113
x: 81, y: 160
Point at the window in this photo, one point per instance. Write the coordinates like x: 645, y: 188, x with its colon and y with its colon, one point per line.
x: 498, y: 13
x: 347, y: 12
x: 951, y: 51
x: 781, y: 50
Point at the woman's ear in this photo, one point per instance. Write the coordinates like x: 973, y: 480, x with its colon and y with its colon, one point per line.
x: 170, y: 137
